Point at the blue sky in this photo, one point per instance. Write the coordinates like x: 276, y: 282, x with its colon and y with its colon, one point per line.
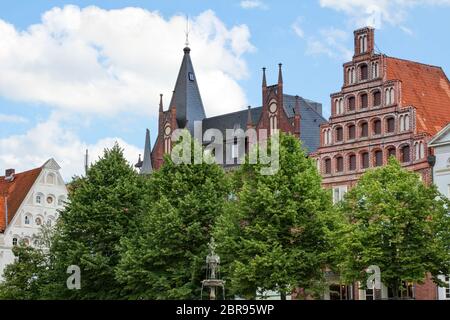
x: 117, y: 82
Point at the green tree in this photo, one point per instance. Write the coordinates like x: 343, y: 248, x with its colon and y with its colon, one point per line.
x: 101, y: 209
x: 273, y: 236
x: 166, y: 258
x: 394, y: 221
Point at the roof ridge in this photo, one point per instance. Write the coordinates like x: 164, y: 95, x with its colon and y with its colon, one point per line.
x: 25, y: 172
x: 230, y: 113
x: 415, y: 62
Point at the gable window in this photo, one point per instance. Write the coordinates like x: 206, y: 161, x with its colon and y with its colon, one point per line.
x: 352, y: 162
x: 364, y: 130
x: 39, y: 198
x: 339, y: 164
x: 364, y: 101
x: 14, y: 241
x: 339, y: 134
x: 351, y: 103
x: 364, y: 72
x: 27, y: 220
x: 327, y: 165
x: 351, y: 75
x: 375, y: 71
x: 419, y: 150
x: 378, y: 158
x: 51, y: 178
x: 377, y: 127
x: 339, y: 106
x: 390, y: 125
x: 363, y: 43
x: 390, y: 96
x: 405, y: 154
x: 377, y: 99
x: 351, y: 132
x: 365, y: 160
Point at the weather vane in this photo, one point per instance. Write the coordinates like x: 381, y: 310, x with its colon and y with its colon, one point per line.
x: 187, y: 31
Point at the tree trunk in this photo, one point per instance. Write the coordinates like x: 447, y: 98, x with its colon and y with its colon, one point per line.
x: 283, y: 295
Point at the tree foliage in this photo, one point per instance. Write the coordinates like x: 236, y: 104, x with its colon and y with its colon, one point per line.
x: 394, y: 221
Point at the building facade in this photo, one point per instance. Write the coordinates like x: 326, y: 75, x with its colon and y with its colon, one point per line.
x: 28, y: 200
x: 441, y: 178
x: 287, y: 113
x: 386, y: 107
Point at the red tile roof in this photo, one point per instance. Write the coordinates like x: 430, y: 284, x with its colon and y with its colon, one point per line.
x: 13, y: 193
x: 425, y: 87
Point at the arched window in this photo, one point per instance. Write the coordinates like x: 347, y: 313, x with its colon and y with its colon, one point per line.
x: 27, y: 220
x: 51, y: 178
x: 405, y: 154
x: 352, y: 162
x: 364, y: 160
x: 377, y: 98
x: 339, y: 164
x: 351, y: 103
x: 364, y: 130
x: 364, y: 101
x: 273, y: 123
x: 351, y: 132
x: 391, y: 152
x: 327, y: 165
x: 364, y: 72
x: 390, y: 96
x: 378, y: 157
x: 339, y: 106
x: 376, y: 126
x: 363, y: 43
x: 14, y: 241
x: 419, y: 150
x: 390, y: 125
x: 375, y: 71
x: 39, y: 198
x: 351, y: 74
x: 339, y: 134
x: 406, y: 122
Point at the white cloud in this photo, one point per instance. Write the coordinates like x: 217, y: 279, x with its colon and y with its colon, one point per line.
x: 297, y: 28
x: 11, y: 118
x: 253, y: 4
x: 330, y: 42
x: 378, y: 12
x: 93, y: 60
x: 50, y: 139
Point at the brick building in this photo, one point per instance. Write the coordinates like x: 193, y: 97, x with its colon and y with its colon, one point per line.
x: 287, y: 113
x: 386, y: 106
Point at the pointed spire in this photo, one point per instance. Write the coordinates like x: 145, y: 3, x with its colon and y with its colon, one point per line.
x: 146, y: 167
x: 264, y: 81
x: 161, y: 107
x: 280, y: 74
x: 249, y: 118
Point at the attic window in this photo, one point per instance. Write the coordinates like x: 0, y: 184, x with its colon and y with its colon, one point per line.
x: 191, y: 76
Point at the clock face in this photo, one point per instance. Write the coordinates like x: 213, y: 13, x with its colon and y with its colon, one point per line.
x: 167, y: 130
x: 273, y: 107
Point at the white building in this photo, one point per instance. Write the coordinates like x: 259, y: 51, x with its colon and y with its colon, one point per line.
x: 441, y: 177
x: 27, y: 201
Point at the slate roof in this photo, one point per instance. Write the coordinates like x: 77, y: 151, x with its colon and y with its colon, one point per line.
x: 13, y: 193
x: 186, y: 97
x: 425, y: 87
x: 310, y: 112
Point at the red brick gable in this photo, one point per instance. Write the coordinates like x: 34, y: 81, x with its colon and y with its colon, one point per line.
x: 425, y: 87
x: 13, y: 193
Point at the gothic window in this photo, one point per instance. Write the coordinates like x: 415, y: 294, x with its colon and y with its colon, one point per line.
x: 27, y: 220
x: 327, y: 165
x: 390, y: 125
x: 364, y: 101
x: 273, y: 123
x: 352, y: 162
x: 325, y: 137
x: 351, y: 103
x: 405, y: 154
x: 339, y: 164
x: 364, y: 130
x: 406, y: 122
x: 351, y: 75
x: 363, y: 43
x: 339, y: 134
x: 351, y: 131
x: 377, y: 127
x: 390, y: 96
x: 364, y: 72
x: 377, y: 98
x: 365, y: 160
x: 419, y: 150
x: 378, y: 155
